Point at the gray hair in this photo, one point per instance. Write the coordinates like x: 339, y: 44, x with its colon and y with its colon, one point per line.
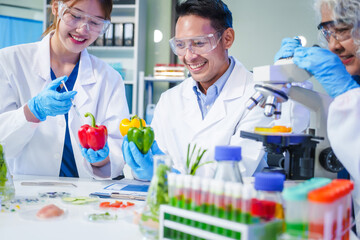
x: 348, y: 11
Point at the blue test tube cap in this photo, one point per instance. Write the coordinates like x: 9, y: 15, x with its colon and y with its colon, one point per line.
x: 227, y: 153
x: 268, y: 181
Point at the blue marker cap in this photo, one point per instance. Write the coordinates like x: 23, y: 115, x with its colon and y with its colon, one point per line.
x: 227, y: 153
x: 268, y: 181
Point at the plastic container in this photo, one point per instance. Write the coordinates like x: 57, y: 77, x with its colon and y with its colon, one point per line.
x: 7, y: 189
x: 157, y: 195
x: 228, y: 158
x: 150, y: 108
x: 296, y: 211
x: 268, y: 202
x: 328, y: 210
x: 346, y: 202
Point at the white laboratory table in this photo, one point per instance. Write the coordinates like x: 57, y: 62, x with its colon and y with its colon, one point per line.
x: 13, y: 226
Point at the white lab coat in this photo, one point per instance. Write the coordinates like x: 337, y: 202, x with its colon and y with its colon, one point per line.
x: 178, y: 121
x: 344, y: 137
x: 36, y: 148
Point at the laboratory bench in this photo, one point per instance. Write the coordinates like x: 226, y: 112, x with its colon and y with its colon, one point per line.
x: 18, y: 221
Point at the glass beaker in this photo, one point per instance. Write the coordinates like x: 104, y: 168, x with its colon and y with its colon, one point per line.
x: 157, y: 195
x: 7, y: 189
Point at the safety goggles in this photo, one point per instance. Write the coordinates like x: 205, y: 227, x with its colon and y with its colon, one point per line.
x: 339, y: 31
x: 76, y: 18
x: 197, y: 45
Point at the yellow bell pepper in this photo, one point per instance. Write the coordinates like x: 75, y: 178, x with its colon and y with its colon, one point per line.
x: 125, y: 124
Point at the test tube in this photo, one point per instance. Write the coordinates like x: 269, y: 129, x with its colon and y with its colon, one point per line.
x: 247, y: 195
x: 196, y: 199
x: 236, y: 198
x: 229, y: 208
x: 205, y: 199
x: 187, y: 202
x: 297, y: 206
x: 219, y: 204
x: 179, y: 194
x: 172, y: 197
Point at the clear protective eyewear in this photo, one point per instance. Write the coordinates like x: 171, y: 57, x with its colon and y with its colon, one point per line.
x: 197, y: 45
x: 76, y: 18
x: 340, y: 31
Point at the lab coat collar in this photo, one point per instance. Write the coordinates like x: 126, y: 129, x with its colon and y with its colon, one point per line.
x: 41, y: 64
x: 85, y: 77
x: 85, y: 74
x: 233, y: 88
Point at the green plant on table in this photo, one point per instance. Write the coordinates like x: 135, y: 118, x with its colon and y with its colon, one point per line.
x: 158, y: 193
x: 7, y: 189
x: 193, y: 165
x: 3, y: 168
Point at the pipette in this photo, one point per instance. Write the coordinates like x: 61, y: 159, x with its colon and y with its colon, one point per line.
x: 72, y: 101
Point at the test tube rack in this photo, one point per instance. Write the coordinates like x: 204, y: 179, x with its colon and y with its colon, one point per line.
x: 248, y: 232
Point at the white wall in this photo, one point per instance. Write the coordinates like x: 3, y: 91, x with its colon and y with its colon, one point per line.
x: 30, y: 9
x: 260, y: 25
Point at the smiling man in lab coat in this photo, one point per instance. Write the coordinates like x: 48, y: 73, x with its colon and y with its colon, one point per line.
x: 209, y: 107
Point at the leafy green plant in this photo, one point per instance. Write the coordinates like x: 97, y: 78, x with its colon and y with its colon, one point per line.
x: 3, y: 168
x: 193, y: 165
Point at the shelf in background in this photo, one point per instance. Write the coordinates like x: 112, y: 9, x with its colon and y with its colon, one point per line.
x: 120, y: 52
x: 153, y: 79
x: 129, y: 82
x: 111, y: 48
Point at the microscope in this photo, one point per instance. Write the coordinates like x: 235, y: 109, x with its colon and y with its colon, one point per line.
x: 300, y: 156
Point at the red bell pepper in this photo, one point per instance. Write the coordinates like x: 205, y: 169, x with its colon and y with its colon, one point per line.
x: 93, y: 136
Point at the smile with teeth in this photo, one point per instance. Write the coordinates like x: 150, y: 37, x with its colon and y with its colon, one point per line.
x: 78, y: 39
x: 197, y: 65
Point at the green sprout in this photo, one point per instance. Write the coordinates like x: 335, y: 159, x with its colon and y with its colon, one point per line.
x: 193, y: 165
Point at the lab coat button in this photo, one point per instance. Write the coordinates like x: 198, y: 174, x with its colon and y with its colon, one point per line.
x: 57, y: 155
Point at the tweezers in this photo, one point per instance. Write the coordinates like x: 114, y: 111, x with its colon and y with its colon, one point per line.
x: 47, y: 184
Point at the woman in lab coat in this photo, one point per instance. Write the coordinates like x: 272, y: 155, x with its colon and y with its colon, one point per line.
x: 38, y: 123
x: 338, y: 71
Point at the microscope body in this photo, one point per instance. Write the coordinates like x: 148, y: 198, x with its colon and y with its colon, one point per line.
x: 276, y: 84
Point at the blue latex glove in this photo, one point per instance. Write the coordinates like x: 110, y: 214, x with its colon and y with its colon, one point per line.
x: 49, y: 102
x: 327, y: 68
x: 288, y: 46
x: 95, y: 156
x: 141, y: 164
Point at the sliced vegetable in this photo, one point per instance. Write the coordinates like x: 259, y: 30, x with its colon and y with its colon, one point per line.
x: 79, y: 200
x: 116, y: 204
x: 102, y: 217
